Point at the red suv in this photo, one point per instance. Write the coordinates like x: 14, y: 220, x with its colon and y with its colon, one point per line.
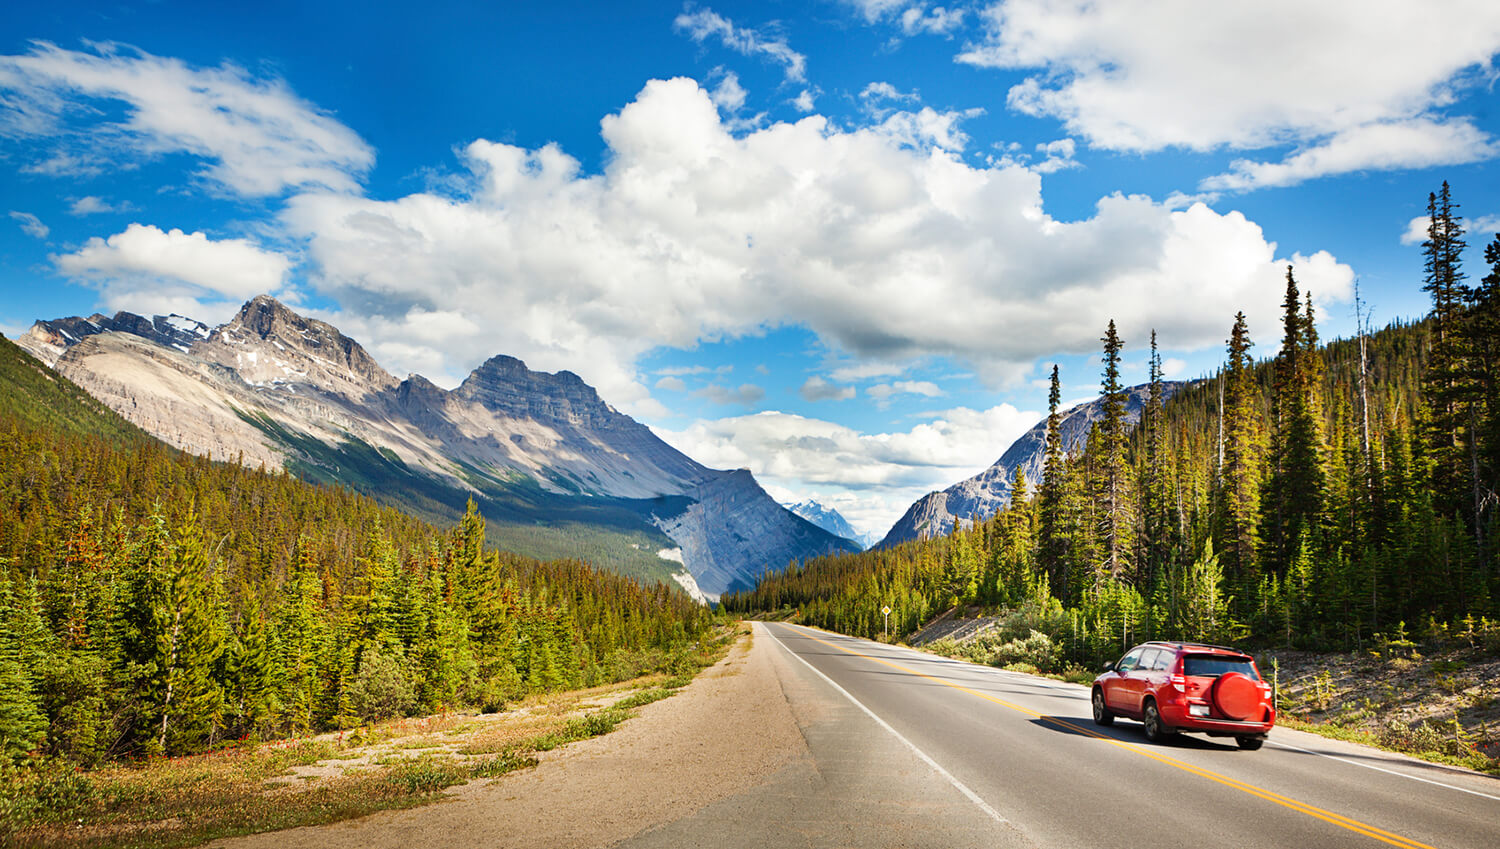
x: 1173, y: 687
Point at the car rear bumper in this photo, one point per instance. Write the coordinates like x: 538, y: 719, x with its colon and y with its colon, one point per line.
x: 1182, y: 721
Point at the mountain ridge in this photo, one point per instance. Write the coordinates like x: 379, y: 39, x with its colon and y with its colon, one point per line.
x: 830, y: 520
x: 275, y: 388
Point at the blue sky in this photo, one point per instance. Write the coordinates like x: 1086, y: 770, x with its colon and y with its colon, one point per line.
x: 839, y: 242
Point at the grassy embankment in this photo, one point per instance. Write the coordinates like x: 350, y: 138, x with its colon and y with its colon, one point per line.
x: 245, y: 789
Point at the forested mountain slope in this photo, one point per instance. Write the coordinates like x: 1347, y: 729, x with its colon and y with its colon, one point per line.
x: 152, y: 601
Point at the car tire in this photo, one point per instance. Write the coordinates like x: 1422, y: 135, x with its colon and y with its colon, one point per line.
x: 1102, y: 716
x: 1250, y: 744
x: 1156, y: 730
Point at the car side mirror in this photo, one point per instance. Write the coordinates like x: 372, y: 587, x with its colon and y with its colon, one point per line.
x: 1109, y: 667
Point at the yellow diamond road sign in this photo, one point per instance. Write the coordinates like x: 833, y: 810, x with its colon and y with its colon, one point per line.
x: 886, y: 610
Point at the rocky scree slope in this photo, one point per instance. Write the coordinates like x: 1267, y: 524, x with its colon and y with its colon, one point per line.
x: 990, y: 491
x: 274, y: 388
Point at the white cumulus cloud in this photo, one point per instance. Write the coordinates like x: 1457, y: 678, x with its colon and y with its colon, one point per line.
x: 146, y: 269
x: 887, y: 470
x: 888, y: 251
x: 1143, y: 75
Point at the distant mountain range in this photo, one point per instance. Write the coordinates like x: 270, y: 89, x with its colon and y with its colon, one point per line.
x: 988, y: 492
x: 831, y: 521
x: 556, y: 470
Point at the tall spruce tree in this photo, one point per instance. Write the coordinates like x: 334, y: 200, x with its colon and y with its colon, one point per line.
x: 1054, y: 556
x: 1111, y: 482
x: 1295, y: 490
x: 1239, y: 484
x: 1157, y: 527
x: 1444, y: 383
x: 1483, y: 337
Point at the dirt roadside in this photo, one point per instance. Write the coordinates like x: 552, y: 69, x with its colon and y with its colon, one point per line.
x: 724, y: 733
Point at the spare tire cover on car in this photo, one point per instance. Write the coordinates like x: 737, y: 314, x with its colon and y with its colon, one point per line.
x: 1236, y: 696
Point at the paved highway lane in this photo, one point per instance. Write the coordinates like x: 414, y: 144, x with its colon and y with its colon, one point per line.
x: 915, y: 750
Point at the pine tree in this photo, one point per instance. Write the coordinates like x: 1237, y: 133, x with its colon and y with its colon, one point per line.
x: 251, y: 669
x: 1156, y: 524
x: 301, y: 634
x: 1295, y: 489
x: 1444, y: 384
x: 23, y: 728
x: 1054, y: 556
x: 185, y: 695
x: 1483, y: 337
x: 1111, y: 482
x: 1239, y: 484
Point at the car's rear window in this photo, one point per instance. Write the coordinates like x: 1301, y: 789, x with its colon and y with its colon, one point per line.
x: 1212, y: 666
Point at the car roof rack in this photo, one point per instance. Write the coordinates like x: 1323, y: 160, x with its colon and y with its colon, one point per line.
x: 1187, y: 643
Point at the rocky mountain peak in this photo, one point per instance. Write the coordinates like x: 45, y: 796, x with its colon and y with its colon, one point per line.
x: 505, y: 385
x: 268, y: 343
x: 830, y: 520
x: 49, y: 340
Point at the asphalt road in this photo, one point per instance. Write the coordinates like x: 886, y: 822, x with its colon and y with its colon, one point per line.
x: 912, y: 750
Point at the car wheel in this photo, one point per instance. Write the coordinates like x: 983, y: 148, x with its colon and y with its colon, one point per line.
x: 1156, y: 731
x: 1250, y: 744
x: 1102, y: 716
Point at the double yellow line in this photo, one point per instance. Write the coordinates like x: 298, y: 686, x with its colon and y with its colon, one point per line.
x: 1286, y: 802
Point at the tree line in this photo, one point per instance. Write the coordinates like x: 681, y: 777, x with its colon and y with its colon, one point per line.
x: 156, y: 603
x: 1316, y: 499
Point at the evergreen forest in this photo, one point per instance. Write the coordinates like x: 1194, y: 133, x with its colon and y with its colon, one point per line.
x: 1328, y: 496
x: 156, y: 603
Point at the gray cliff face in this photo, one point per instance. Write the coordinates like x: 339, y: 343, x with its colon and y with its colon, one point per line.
x: 504, y: 384
x: 988, y: 492
x: 738, y: 533
x: 228, y: 391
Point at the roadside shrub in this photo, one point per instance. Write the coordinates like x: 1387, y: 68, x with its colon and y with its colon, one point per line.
x: 1036, y: 650
x: 1049, y: 619
x: 382, y: 689
x: 946, y: 647
x: 1420, y: 738
x: 500, y: 687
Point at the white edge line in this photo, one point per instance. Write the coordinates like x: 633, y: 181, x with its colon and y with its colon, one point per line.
x: 936, y: 767
x: 1396, y: 773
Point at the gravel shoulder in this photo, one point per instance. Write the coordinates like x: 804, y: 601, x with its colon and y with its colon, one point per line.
x: 727, y: 731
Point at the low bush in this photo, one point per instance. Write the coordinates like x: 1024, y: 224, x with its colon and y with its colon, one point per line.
x: 1035, y: 650
x: 382, y: 689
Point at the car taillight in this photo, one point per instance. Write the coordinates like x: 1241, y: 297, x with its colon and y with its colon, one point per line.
x: 1180, y: 682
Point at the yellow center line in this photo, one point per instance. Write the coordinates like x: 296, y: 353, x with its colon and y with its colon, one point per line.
x: 1286, y: 802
